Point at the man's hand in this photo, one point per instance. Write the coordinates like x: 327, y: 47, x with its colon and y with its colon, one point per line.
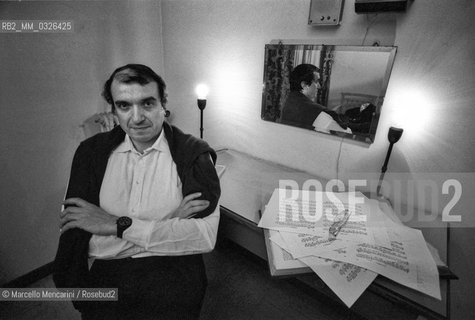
x: 84, y: 215
x: 190, y: 207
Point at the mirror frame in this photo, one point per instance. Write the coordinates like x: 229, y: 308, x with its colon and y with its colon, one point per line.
x: 283, y: 56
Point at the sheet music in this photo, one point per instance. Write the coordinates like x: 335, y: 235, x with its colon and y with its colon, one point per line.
x: 407, y: 262
x: 313, y: 212
x: 283, y: 259
x: 346, y: 280
x: 370, y: 240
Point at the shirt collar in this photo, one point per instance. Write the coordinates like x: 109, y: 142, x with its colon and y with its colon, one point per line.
x: 161, y: 145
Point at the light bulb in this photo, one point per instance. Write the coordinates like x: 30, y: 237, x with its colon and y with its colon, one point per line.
x: 202, y: 91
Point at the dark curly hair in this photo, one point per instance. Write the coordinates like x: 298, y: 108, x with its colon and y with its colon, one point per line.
x: 303, y: 72
x: 134, y: 73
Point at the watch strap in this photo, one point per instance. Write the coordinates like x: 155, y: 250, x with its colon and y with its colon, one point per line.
x: 122, y: 224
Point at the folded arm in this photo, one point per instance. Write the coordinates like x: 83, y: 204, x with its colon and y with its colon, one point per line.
x: 176, y: 236
x: 179, y: 235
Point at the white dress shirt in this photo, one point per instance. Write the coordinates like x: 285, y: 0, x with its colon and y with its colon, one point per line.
x: 146, y: 187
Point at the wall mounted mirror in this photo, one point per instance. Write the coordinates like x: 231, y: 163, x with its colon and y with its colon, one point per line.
x: 332, y: 89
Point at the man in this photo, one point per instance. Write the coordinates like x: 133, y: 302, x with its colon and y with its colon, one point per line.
x: 300, y: 108
x: 142, y: 202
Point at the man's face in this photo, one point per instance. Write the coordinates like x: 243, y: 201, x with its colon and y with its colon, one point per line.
x: 311, y: 90
x: 140, y: 112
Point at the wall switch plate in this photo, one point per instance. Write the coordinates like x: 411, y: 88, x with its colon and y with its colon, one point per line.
x: 325, y: 12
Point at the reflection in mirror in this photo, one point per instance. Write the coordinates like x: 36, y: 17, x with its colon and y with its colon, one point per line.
x: 333, y: 89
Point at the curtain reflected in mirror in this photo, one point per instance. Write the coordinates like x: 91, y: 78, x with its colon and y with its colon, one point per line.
x: 332, y: 89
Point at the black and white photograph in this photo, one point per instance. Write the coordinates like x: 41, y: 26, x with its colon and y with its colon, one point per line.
x: 237, y: 159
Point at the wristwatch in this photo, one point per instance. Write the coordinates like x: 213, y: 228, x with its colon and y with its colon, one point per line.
x: 122, y: 224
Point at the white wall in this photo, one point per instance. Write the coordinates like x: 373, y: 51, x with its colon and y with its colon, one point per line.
x: 49, y: 84
x: 431, y: 93
x: 222, y: 43
x: 357, y: 72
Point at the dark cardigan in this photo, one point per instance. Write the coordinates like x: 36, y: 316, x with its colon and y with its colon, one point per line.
x: 197, y: 174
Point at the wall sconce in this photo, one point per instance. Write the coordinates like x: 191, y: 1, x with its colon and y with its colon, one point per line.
x: 201, y: 92
x: 394, y: 134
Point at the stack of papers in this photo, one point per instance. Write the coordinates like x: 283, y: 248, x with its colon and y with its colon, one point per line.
x: 370, y: 243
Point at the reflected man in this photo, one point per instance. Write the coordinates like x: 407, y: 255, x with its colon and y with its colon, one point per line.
x: 300, y: 108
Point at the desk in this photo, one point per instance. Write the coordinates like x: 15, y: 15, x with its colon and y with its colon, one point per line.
x: 247, y: 185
